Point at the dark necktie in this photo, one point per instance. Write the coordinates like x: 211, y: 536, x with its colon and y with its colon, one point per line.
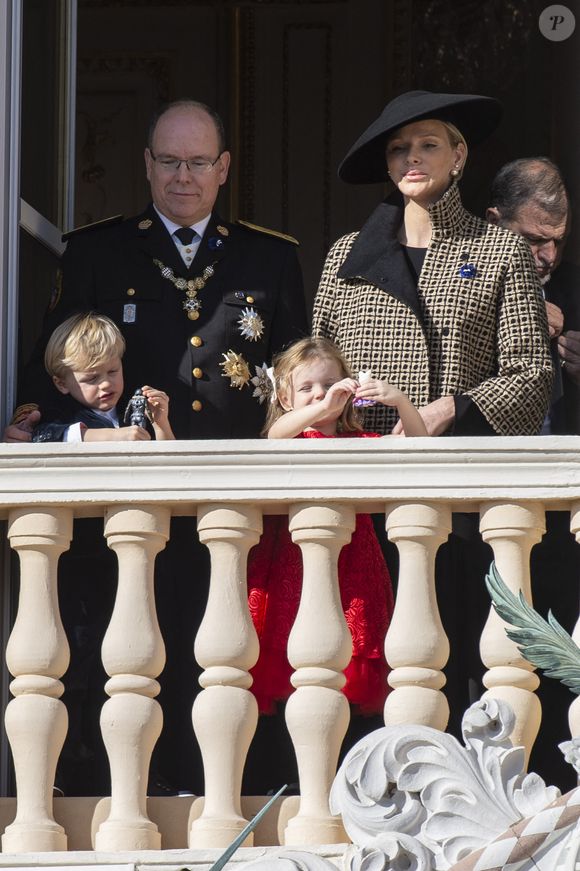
x: 185, y: 235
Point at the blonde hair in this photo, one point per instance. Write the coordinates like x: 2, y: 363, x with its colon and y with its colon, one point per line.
x: 81, y: 343
x: 307, y: 351
x: 456, y: 138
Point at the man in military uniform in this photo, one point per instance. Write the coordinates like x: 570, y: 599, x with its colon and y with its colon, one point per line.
x: 203, y: 304
x: 201, y: 314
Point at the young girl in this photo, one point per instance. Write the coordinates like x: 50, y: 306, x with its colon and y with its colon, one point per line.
x: 313, y: 389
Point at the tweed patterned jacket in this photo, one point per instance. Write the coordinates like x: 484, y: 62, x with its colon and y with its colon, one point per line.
x: 475, y: 326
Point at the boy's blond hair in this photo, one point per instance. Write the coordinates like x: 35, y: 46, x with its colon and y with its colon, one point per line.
x: 81, y: 343
x: 306, y: 351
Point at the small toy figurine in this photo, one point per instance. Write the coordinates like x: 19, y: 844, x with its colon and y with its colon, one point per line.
x: 136, y: 411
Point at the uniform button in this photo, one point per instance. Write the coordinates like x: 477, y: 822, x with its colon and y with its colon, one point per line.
x: 130, y: 291
x: 196, y: 341
x: 250, y: 299
x: 196, y: 405
x: 197, y: 372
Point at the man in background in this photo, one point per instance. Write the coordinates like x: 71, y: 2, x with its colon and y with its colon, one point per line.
x: 529, y: 197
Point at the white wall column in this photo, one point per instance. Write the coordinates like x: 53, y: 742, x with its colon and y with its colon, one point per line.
x: 416, y: 646
x: 319, y: 648
x: 225, y: 713
x: 512, y: 530
x: 37, y: 655
x: 133, y: 656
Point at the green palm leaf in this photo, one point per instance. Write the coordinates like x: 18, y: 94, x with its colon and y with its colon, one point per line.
x: 544, y: 643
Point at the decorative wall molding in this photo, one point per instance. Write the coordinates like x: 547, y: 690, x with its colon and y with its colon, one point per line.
x: 245, y: 115
x: 462, y: 472
x: 418, y: 797
x: 325, y: 31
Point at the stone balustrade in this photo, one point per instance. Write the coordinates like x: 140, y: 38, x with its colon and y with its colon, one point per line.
x: 416, y: 484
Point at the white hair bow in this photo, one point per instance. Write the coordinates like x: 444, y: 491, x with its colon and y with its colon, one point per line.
x: 272, y: 377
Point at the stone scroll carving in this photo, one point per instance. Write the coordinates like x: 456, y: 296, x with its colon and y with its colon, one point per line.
x: 415, y: 798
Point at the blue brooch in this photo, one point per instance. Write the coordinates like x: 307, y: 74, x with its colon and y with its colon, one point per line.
x: 468, y: 270
x: 213, y: 243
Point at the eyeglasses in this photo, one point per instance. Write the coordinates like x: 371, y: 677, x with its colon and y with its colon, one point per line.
x: 195, y: 165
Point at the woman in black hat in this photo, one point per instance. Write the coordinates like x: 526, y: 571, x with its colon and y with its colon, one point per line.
x: 438, y: 302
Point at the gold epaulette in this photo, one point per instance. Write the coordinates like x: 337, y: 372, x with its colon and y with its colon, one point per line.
x: 268, y: 232
x: 96, y: 225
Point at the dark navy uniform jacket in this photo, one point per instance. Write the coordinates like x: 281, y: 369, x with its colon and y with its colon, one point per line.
x: 111, y: 270
x: 56, y: 421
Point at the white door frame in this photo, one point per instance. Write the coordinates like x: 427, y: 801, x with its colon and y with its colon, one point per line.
x: 10, y: 93
x: 14, y: 214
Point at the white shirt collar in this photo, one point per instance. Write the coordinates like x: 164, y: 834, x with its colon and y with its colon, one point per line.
x: 171, y: 227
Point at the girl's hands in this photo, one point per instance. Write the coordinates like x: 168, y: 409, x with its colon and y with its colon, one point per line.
x: 410, y: 422
x: 380, y: 391
x: 337, y: 396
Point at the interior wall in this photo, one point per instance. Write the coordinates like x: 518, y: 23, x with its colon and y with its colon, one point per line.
x: 283, y: 76
x: 296, y: 82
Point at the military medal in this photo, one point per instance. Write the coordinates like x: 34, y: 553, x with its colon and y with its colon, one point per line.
x: 191, y: 304
x: 251, y: 325
x: 236, y: 369
x: 263, y: 385
x: 129, y: 313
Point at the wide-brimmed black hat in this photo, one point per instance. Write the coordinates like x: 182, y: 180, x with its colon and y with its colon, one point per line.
x: 476, y: 117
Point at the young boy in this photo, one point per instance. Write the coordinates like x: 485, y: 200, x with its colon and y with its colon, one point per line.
x: 83, y: 358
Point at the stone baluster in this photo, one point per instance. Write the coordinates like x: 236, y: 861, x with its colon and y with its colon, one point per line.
x: 512, y: 530
x: 133, y: 656
x: 319, y: 648
x: 37, y: 655
x: 225, y: 713
x: 574, y: 712
x: 416, y: 645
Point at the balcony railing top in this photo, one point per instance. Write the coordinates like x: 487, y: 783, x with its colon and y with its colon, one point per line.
x: 461, y: 471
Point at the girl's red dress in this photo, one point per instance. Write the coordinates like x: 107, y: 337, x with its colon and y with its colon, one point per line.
x: 274, y: 587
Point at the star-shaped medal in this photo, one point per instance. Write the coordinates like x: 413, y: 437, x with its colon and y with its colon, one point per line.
x: 251, y: 325
x: 262, y: 384
x: 236, y: 369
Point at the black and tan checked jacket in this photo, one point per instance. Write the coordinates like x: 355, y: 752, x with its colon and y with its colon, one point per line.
x: 475, y: 326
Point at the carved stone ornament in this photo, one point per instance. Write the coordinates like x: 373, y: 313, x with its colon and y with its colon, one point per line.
x: 413, y: 797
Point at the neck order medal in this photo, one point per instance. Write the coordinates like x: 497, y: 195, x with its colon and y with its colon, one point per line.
x: 191, y: 304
